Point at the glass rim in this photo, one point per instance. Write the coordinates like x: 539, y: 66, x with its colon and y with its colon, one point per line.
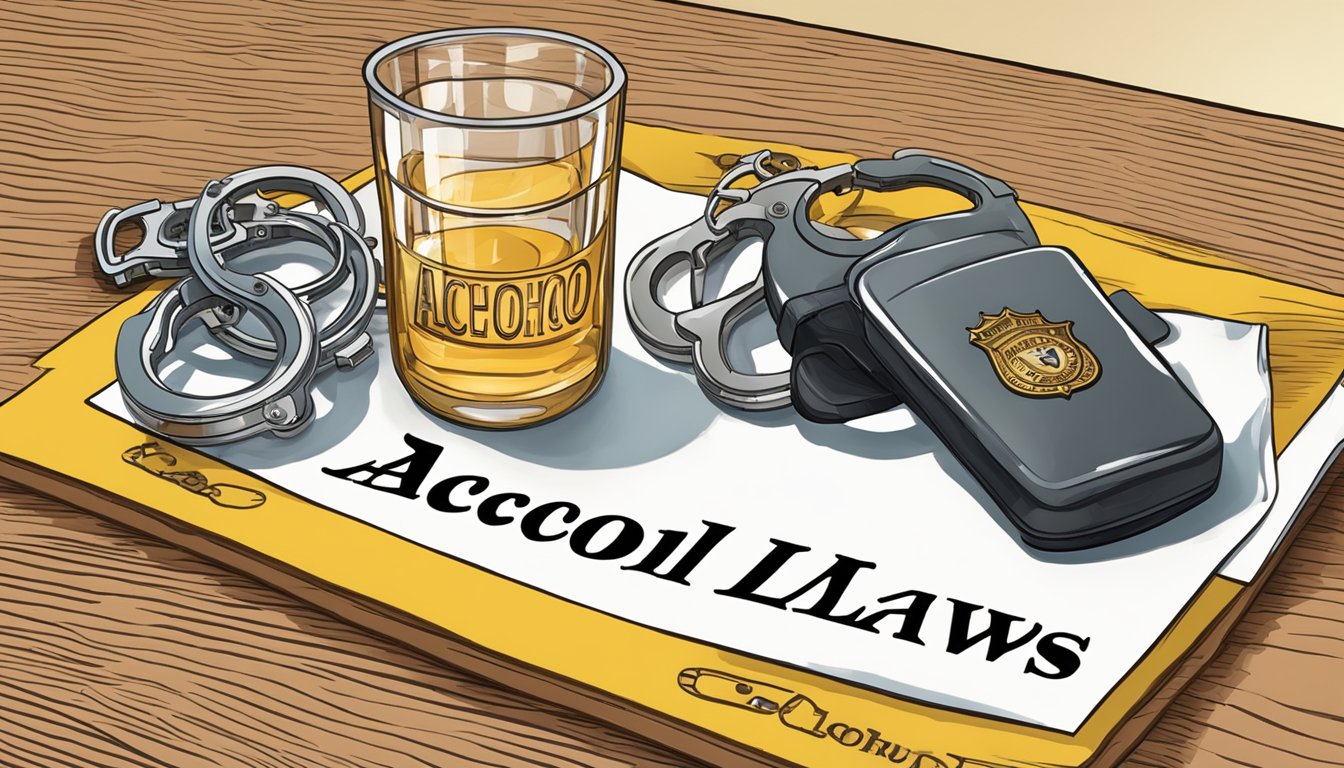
x: 384, y: 97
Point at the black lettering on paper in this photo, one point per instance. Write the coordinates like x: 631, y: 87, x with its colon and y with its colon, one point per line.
x: 409, y: 471
x: 997, y: 633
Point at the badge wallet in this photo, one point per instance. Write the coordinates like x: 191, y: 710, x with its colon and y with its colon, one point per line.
x: 1042, y: 389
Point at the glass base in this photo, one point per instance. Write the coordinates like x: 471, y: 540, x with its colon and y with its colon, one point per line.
x: 499, y: 415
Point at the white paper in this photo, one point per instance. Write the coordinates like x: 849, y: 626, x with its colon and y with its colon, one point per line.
x: 1300, y: 467
x: 650, y: 446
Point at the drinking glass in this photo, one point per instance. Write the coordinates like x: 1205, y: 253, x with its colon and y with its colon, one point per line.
x: 496, y: 152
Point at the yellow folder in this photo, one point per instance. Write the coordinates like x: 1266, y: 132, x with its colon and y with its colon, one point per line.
x: 694, y: 697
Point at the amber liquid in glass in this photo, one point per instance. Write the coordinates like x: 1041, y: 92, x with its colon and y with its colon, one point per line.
x: 500, y: 321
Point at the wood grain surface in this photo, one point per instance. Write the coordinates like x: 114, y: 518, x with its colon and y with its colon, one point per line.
x: 117, y: 650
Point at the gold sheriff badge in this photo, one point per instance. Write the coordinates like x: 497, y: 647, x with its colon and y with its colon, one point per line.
x: 1033, y: 356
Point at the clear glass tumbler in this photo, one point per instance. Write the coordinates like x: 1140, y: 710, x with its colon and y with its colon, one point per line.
x: 496, y: 152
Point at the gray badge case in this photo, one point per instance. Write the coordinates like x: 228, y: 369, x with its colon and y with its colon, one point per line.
x: 1126, y: 450
x: 1046, y: 390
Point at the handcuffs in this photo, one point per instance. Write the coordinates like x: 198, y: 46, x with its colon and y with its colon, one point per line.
x: 200, y: 240
x: 806, y: 261
x: 1046, y: 389
x: 803, y: 259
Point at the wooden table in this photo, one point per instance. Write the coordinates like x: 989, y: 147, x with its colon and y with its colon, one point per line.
x: 118, y: 650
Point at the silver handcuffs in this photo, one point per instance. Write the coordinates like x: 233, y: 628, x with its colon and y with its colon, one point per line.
x: 802, y: 280
x: 199, y: 240
x: 699, y: 335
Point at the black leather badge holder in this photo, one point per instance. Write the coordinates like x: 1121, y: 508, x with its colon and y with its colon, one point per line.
x: 1048, y: 391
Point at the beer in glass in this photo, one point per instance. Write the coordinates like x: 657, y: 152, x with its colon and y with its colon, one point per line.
x: 496, y: 152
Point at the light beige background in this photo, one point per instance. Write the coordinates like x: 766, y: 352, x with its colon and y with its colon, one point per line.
x: 1284, y: 57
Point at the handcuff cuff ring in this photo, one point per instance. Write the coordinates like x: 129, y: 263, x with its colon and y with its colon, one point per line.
x: 342, y: 338
x: 701, y: 242
x: 699, y: 335
x: 280, y: 402
x: 166, y: 255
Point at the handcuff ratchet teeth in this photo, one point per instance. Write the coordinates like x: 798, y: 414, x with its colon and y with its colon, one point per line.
x: 280, y: 402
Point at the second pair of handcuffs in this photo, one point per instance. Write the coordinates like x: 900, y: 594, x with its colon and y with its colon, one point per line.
x: 1047, y: 390
x: 203, y: 240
